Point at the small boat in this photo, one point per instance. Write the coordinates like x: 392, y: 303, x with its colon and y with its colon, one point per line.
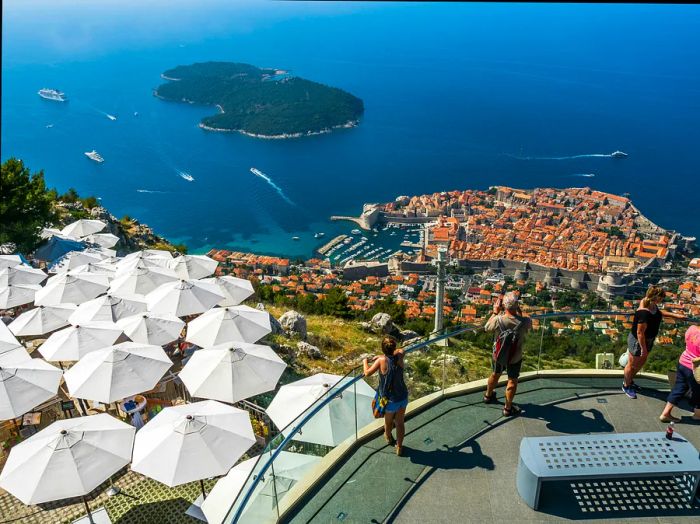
x: 52, y: 94
x: 186, y: 176
x: 136, y: 113
x: 318, y: 235
x: 111, y: 117
x: 355, y: 231
x: 49, y: 126
x: 295, y: 238
x: 94, y: 155
x: 618, y: 154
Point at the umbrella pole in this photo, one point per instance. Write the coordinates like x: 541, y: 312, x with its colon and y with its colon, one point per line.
x: 201, y: 484
x: 89, y: 514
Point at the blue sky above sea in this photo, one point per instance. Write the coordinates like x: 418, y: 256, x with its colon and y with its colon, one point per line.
x: 457, y: 96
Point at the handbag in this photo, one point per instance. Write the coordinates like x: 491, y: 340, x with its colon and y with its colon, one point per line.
x: 696, y: 369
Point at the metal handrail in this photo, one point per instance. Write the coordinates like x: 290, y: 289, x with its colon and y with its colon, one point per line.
x: 432, y: 339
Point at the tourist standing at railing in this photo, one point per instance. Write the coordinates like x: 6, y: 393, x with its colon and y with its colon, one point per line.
x: 391, y: 381
x: 685, y: 379
x: 640, y: 341
x: 507, y: 316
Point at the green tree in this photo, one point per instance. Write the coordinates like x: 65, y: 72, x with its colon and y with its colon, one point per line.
x: 335, y: 303
x: 25, y: 205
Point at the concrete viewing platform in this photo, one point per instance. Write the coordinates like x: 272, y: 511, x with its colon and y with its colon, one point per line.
x: 460, y: 460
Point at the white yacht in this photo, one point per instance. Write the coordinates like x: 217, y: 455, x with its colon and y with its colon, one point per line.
x: 618, y: 154
x: 52, y: 94
x: 318, y: 235
x: 94, y: 155
x: 355, y: 231
x: 186, y: 176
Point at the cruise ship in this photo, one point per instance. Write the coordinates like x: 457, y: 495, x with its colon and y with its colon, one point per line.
x: 94, y: 155
x: 52, y: 94
x: 618, y: 154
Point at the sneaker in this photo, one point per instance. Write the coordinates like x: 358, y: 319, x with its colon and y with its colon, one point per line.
x: 629, y: 391
x: 636, y: 388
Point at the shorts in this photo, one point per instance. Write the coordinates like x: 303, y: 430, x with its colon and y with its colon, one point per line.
x: 394, y: 405
x: 513, y: 368
x: 634, y: 348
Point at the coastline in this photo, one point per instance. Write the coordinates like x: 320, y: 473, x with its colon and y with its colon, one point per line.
x: 347, y: 125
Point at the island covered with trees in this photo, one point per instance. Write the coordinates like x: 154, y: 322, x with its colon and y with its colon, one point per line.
x: 264, y: 103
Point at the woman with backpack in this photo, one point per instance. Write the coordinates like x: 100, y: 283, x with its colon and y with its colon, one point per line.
x: 392, y: 387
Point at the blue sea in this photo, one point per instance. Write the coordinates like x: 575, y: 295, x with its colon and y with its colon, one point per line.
x: 456, y: 96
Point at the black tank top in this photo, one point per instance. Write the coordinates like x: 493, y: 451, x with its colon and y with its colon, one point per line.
x: 396, y: 389
x: 652, y: 320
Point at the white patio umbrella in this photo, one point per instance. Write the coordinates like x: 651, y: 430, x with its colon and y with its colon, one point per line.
x: 83, y: 227
x: 152, y: 328
x: 9, y: 261
x: 106, y: 308
x: 116, y: 372
x: 140, y: 280
x: 232, y: 372
x: 333, y: 423
x: 7, y: 338
x: 75, y: 259
x: 73, y: 288
x: 228, y: 324
x: 289, y: 468
x: 11, y: 350
x: 236, y: 290
x: 193, y: 266
x: 67, y: 459
x: 103, y: 267
x: 17, y: 295
x: 41, y: 320
x: 21, y: 275
x: 192, y: 442
x: 26, y: 384
x: 74, y: 342
x: 102, y: 239
x: 183, y: 297
x: 148, y: 258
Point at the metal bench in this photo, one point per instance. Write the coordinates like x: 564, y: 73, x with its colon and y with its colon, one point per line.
x: 609, y: 456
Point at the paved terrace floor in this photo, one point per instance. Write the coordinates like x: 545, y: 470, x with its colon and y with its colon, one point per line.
x: 461, y: 458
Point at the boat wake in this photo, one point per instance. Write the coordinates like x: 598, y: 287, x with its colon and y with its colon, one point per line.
x: 111, y: 117
x: 587, y: 175
x: 274, y: 186
x: 571, y: 157
x: 185, y: 175
x: 149, y: 191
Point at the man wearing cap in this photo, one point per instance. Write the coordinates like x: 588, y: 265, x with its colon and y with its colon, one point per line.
x: 507, y: 315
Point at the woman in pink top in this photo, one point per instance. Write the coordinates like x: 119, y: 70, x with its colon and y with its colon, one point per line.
x: 684, y: 377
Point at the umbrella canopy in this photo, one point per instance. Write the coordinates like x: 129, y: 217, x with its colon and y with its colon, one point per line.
x: 106, y: 308
x: 56, y: 247
x: 7, y: 338
x: 289, y: 469
x: 74, y: 342
x: 147, y: 258
x: 232, y: 372
x: 9, y: 261
x: 330, y: 426
x: 152, y: 328
x: 24, y: 385
x: 229, y: 324
x: 21, y: 275
x: 102, y: 239
x: 103, y: 267
x: 67, y: 459
x: 140, y: 280
x: 73, y: 288
x: 41, y: 320
x: 116, y: 372
x: 75, y: 259
x: 83, y: 227
x: 193, y: 266
x: 11, y: 350
x: 236, y: 290
x: 183, y: 297
x: 17, y: 295
x: 192, y: 442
